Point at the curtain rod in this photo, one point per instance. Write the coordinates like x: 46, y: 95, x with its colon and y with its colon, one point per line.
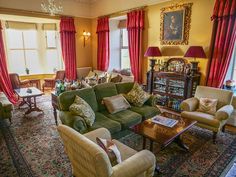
x: 21, y: 12
x: 120, y: 13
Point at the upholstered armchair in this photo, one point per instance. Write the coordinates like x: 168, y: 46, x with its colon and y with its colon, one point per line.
x: 215, y: 122
x: 89, y: 159
x: 60, y: 75
x: 17, y: 83
x: 6, y: 107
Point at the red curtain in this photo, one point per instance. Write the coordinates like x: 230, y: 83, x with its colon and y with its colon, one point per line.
x: 5, y: 83
x: 135, y: 26
x: 67, y: 33
x: 222, y: 42
x: 103, y: 53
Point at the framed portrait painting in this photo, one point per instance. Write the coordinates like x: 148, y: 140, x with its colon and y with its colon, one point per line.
x: 175, y: 24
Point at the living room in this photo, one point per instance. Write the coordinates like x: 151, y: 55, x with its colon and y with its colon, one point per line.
x: 117, y: 88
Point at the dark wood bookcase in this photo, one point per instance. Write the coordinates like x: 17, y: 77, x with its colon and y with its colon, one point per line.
x: 173, y: 87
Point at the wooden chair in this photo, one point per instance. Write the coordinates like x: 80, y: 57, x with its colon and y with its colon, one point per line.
x: 17, y: 83
x: 60, y: 75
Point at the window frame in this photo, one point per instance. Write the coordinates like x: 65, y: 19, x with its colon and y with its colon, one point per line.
x: 122, y: 47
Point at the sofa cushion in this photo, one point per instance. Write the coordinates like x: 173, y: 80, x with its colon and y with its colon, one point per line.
x: 137, y: 96
x: 126, y: 118
x: 201, y: 117
x: 82, y: 108
x: 87, y: 94
x: 6, y: 104
x: 124, y: 87
x: 103, y: 121
x: 104, y: 90
x: 146, y: 111
x: 116, y: 103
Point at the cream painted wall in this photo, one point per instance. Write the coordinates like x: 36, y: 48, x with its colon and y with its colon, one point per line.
x: 83, y: 53
x: 200, y: 32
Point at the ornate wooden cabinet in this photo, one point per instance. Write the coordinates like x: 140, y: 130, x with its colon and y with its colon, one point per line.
x: 173, y: 86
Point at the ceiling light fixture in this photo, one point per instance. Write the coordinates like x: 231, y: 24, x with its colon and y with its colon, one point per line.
x: 51, y: 7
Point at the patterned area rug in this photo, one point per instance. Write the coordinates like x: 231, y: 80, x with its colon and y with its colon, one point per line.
x: 31, y: 146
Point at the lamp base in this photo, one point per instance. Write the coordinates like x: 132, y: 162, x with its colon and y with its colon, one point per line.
x: 152, y: 64
x: 194, y: 68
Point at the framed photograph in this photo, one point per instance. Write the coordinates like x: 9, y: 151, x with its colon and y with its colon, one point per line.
x: 175, y: 24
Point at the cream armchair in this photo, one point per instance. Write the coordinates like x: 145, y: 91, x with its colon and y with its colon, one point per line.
x: 215, y: 122
x: 90, y: 160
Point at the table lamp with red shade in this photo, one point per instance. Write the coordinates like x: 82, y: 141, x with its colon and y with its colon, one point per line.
x: 195, y: 52
x: 152, y: 52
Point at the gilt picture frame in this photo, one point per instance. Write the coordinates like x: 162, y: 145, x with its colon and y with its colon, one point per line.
x: 175, y: 24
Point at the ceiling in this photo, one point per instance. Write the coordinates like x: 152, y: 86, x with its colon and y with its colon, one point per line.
x: 82, y: 8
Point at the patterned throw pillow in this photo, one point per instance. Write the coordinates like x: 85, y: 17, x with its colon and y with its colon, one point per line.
x: 116, y: 103
x: 137, y: 96
x: 82, y: 109
x: 207, y: 105
x: 111, y: 149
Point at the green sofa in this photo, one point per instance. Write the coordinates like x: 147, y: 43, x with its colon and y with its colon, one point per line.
x: 115, y: 123
x: 6, y: 107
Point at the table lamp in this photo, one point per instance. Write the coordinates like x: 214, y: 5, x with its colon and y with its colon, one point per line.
x: 195, y: 52
x: 152, y: 52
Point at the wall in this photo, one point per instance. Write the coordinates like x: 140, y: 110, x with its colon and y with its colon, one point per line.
x: 83, y: 53
x: 200, y: 32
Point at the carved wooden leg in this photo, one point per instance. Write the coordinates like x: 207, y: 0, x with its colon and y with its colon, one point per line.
x: 214, y: 137
x: 144, y: 142
x: 223, y: 128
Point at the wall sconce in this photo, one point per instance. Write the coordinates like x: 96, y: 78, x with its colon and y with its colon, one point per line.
x: 86, y: 36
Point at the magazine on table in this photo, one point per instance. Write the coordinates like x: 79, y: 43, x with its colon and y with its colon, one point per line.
x: 164, y: 121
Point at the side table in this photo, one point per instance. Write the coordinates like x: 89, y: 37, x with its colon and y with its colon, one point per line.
x: 55, y: 105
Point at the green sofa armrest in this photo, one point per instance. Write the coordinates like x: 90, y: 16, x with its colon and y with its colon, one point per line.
x: 224, y: 112
x: 152, y: 100
x: 189, y: 104
x: 73, y: 121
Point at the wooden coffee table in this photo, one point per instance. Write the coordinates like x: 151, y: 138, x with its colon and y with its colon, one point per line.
x: 29, y: 98
x: 161, y: 134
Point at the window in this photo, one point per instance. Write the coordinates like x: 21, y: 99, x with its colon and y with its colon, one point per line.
x: 231, y: 73
x: 124, y: 52
x: 36, y: 50
x: 53, y: 62
x: 23, y: 51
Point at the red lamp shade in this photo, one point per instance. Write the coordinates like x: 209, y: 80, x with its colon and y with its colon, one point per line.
x: 152, y: 52
x: 195, y: 52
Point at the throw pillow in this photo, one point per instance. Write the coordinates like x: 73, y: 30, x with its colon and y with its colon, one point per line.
x: 207, y: 105
x: 111, y: 149
x: 82, y: 109
x: 137, y: 96
x: 116, y: 103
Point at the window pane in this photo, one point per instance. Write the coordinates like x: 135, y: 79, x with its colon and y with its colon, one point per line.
x: 30, y: 39
x: 125, y: 61
x: 52, y: 60
x: 32, y: 62
x: 51, y: 39
x: 125, y: 38
x: 16, y: 62
x: 14, y: 39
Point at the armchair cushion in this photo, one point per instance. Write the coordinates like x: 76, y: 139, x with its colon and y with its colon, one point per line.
x: 143, y: 162
x: 5, y: 103
x: 201, y: 117
x: 224, y: 112
x: 189, y: 104
x: 207, y: 105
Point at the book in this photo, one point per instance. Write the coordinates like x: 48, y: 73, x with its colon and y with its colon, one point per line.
x: 164, y: 121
